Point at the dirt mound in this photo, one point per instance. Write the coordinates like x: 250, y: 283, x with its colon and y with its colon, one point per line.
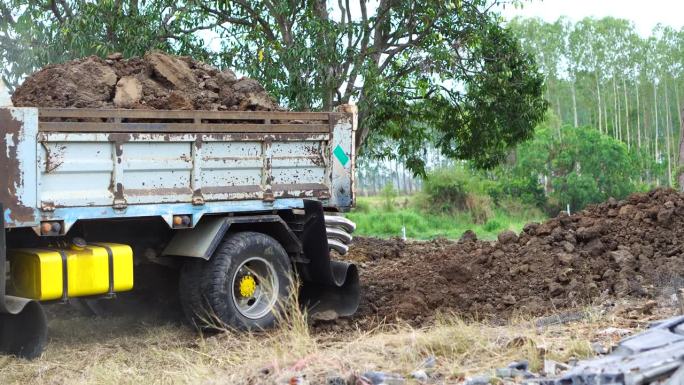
x: 155, y: 81
x: 633, y: 247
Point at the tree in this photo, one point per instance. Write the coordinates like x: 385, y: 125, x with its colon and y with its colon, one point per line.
x: 436, y: 71
x: 584, y: 167
x: 611, y: 78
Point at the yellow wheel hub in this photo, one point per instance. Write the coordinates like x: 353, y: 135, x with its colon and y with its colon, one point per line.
x: 247, y: 286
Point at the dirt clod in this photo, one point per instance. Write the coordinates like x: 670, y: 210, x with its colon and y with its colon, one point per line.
x: 155, y: 81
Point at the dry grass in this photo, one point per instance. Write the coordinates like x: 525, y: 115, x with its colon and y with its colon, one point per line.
x: 127, y: 350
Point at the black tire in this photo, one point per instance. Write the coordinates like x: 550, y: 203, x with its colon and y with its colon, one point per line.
x: 208, y: 292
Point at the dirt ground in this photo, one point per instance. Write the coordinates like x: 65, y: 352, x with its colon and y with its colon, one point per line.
x: 632, y: 248
x: 552, y: 292
x: 134, y: 349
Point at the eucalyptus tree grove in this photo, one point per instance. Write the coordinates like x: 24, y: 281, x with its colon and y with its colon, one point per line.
x: 445, y: 72
x: 602, y: 73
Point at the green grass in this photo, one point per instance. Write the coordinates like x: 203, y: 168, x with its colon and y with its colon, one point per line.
x: 373, y: 218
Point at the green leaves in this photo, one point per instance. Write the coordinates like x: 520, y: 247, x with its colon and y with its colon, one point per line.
x: 438, y: 72
x: 584, y: 167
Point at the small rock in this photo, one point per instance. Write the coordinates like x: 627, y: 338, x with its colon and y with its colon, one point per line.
x: 178, y: 101
x: 128, y: 92
x: 568, y: 247
x: 419, y: 375
x: 626, y: 210
x: 588, y: 233
x: 530, y: 228
x: 513, y: 373
x: 298, y: 380
x: 509, y: 299
x: 564, y: 275
x: 115, y: 56
x: 613, y: 331
x: 555, y: 289
x: 566, y: 259
x: 327, y: 315
x: 479, y: 380
x: 335, y: 380
x: 520, y: 365
x: 621, y: 256
x: 664, y: 216
x: 468, y: 236
x: 507, y: 237
x: 595, y: 247
x: 553, y: 368
x: 380, y: 378
x: 429, y: 363
x: 598, y: 348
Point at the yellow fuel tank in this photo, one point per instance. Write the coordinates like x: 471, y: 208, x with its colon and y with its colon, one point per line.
x: 47, y: 274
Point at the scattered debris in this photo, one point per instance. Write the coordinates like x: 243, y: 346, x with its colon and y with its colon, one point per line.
x: 554, y: 368
x: 515, y: 370
x: 420, y: 375
x: 613, y: 331
x: 429, y: 363
x: 560, y: 319
x: 650, y: 357
x: 599, y: 348
x: 479, y: 380
x: 380, y: 378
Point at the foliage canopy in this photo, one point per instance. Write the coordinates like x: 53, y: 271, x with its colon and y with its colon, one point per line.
x: 445, y: 72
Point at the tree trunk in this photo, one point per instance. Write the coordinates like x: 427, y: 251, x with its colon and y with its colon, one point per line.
x: 616, y: 112
x: 655, y: 119
x: 638, y: 114
x: 558, y: 105
x: 605, y: 115
x: 574, y: 104
x: 680, y: 168
x: 629, y: 137
x: 668, y: 130
x: 598, y: 94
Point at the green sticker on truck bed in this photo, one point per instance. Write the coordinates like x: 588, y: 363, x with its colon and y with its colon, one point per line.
x: 340, y: 155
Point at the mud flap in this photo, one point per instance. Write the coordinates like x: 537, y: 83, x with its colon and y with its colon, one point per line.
x: 328, y: 286
x: 23, y: 324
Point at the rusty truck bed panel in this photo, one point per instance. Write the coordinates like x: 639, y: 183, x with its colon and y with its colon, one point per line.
x: 71, y: 164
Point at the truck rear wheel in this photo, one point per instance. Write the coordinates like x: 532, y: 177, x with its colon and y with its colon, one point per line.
x: 245, y: 285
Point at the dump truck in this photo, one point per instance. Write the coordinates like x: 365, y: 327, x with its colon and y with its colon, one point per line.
x: 248, y: 205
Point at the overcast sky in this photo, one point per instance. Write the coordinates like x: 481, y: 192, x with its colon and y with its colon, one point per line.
x: 644, y: 14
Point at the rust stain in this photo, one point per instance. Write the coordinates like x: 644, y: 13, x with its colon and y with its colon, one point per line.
x: 119, y: 192
x: 120, y: 138
x: 54, y: 158
x: 10, y: 172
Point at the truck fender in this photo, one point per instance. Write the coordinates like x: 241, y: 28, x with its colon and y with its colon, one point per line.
x: 202, y: 241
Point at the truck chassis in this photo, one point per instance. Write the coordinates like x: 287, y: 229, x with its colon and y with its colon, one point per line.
x: 254, y: 196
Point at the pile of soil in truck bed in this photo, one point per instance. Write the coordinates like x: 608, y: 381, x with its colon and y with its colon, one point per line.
x: 155, y: 81
x: 628, y: 248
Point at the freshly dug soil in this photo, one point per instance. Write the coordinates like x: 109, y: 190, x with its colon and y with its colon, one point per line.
x: 155, y: 81
x: 630, y: 248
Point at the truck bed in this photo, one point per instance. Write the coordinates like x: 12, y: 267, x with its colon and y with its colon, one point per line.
x: 78, y: 164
